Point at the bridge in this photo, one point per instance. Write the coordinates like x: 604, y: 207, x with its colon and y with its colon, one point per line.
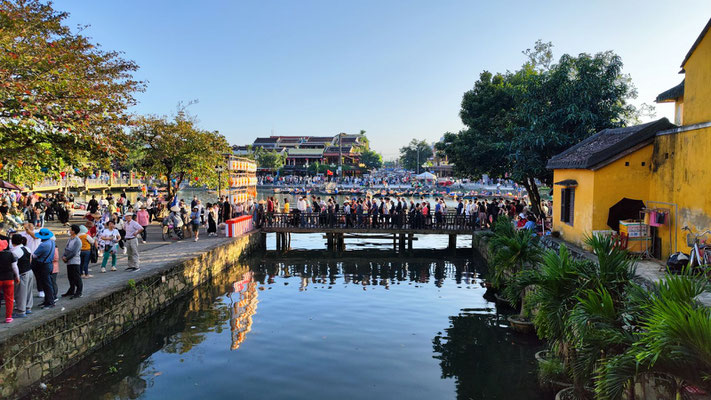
x: 87, y: 184
x: 337, y: 227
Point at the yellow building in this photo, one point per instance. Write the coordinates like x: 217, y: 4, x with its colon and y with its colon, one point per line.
x: 665, y: 165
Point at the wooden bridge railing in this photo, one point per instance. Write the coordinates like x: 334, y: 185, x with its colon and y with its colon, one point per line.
x: 404, y: 221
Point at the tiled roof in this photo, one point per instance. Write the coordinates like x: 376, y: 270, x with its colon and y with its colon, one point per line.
x: 600, y: 148
x: 671, y: 94
x: 305, y: 152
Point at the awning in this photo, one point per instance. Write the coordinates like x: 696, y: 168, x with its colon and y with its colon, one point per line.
x: 567, y: 183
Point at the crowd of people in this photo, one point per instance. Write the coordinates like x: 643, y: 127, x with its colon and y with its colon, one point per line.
x: 30, y: 258
x: 369, y: 212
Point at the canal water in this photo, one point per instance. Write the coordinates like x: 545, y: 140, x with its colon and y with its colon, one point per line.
x: 365, y: 324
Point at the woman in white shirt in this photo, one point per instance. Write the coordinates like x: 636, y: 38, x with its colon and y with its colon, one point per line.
x: 108, y: 241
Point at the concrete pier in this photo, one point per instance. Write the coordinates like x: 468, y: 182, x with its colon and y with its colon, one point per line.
x: 36, y: 348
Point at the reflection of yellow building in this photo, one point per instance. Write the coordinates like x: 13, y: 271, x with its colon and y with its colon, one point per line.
x: 665, y: 165
x: 243, y: 310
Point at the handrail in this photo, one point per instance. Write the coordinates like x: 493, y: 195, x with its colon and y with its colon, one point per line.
x: 403, y: 221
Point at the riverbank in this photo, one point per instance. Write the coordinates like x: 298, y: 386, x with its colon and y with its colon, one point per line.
x: 51, y: 340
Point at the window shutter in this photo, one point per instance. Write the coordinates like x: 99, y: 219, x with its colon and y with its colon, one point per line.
x: 571, y: 205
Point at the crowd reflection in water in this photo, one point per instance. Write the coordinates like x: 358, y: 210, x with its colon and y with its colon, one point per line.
x: 366, y: 273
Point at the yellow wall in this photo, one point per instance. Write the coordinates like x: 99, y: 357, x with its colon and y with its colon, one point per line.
x: 582, y: 218
x: 682, y: 175
x: 617, y: 180
x: 697, y: 87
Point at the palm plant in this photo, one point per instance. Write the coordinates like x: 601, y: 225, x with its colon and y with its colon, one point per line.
x: 512, y: 251
x: 672, y: 336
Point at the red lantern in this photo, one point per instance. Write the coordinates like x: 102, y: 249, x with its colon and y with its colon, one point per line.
x: 62, y: 174
x: 196, y: 179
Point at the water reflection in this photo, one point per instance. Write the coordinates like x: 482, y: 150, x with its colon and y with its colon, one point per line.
x: 487, y: 359
x: 414, y: 327
x: 242, y: 310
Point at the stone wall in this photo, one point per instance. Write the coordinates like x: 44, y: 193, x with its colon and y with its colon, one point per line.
x: 43, y: 351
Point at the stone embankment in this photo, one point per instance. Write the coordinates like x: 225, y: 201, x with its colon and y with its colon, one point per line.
x: 52, y: 340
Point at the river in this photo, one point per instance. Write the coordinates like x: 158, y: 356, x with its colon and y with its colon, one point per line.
x: 366, y: 324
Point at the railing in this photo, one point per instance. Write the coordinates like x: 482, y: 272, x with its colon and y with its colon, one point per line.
x: 398, y: 221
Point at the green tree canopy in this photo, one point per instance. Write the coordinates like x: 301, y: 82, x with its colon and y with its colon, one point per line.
x: 63, y: 100
x: 177, y: 150
x: 269, y: 159
x: 371, y: 159
x: 415, y: 154
x: 516, y: 121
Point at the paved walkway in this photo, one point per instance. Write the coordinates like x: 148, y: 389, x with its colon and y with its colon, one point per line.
x: 154, y: 254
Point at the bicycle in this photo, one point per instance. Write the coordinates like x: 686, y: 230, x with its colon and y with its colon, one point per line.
x: 700, y: 250
x: 169, y: 231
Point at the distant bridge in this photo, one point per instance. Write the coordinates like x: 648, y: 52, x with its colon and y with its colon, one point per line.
x: 401, y: 227
x: 87, y: 184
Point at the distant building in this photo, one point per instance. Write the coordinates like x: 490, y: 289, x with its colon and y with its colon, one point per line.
x: 304, y: 151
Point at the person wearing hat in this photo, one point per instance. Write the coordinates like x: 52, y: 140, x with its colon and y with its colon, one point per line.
x: 133, y: 229
x: 43, y: 258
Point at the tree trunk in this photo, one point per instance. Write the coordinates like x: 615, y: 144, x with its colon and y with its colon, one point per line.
x: 534, y: 196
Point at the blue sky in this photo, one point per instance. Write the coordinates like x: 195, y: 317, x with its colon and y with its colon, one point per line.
x: 396, y: 69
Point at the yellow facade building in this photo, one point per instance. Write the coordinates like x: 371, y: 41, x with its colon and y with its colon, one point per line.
x: 668, y: 166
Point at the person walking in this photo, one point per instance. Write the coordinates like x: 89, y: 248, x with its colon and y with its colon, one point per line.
x: 72, y: 257
x: 87, y: 243
x: 43, y: 257
x: 108, y: 240
x: 143, y: 219
x: 9, y: 276
x: 133, y: 229
x: 23, y: 290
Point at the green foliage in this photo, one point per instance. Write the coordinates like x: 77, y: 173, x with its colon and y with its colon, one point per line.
x: 512, y: 252
x: 552, y: 369
x: 63, y: 99
x: 415, y: 155
x: 371, y: 159
x: 671, y: 336
x: 516, y: 121
x: 178, y: 151
x: 269, y: 159
x: 131, y: 284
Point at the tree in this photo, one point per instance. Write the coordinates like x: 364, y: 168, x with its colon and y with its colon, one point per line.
x: 269, y: 159
x: 63, y: 100
x: 415, y: 154
x: 177, y: 150
x: 516, y: 121
x: 371, y: 159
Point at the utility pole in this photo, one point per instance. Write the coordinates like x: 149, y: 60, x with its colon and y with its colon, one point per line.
x: 340, y: 154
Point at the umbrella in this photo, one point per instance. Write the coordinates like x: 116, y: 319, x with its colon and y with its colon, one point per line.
x: 8, y: 185
x: 624, y: 209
